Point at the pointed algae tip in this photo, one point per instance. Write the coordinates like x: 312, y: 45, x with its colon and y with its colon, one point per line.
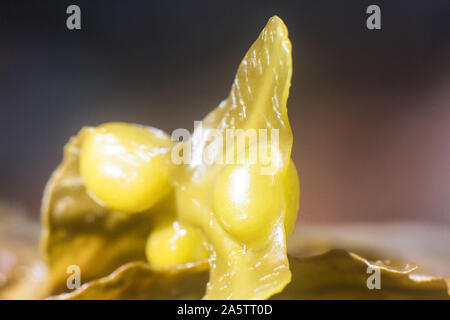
x: 276, y: 26
x: 275, y: 22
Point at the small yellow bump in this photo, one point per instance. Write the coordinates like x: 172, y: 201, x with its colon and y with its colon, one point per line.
x: 123, y: 166
x: 175, y: 244
x: 292, y: 197
x: 246, y: 202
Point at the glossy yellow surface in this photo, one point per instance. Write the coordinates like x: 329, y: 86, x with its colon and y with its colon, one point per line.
x: 124, y: 166
x: 246, y: 203
x: 175, y: 243
x: 242, y: 211
x: 291, y: 197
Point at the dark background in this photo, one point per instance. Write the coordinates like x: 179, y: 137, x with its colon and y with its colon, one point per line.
x: 370, y: 110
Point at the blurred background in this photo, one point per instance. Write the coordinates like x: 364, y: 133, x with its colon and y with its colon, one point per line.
x: 370, y: 110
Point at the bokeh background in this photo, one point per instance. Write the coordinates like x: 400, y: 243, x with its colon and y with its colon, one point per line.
x: 370, y: 110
